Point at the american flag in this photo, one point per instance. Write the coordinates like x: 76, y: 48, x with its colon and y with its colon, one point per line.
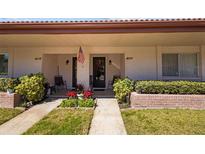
x: 81, y: 57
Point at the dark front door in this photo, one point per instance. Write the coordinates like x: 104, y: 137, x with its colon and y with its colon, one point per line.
x: 99, y: 72
x: 74, y: 72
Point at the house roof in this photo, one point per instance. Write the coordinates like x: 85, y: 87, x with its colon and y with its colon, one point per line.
x: 100, y: 25
x: 91, y: 20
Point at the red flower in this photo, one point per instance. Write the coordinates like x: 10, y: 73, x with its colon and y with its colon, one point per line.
x: 88, y: 94
x: 71, y: 94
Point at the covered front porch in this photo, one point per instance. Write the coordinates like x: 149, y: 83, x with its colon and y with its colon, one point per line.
x: 138, y: 56
x: 103, y: 70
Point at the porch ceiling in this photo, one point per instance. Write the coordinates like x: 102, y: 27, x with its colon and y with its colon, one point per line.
x: 114, y: 40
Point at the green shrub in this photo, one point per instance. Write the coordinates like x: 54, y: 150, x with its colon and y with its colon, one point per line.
x: 122, y: 88
x: 8, y: 83
x: 31, y: 87
x: 69, y: 103
x: 86, y: 103
x: 170, y: 87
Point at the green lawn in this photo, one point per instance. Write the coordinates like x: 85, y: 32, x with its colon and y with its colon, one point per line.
x: 7, y: 114
x: 164, y: 122
x: 63, y: 122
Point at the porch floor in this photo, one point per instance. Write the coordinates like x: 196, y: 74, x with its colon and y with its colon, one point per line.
x: 107, y: 93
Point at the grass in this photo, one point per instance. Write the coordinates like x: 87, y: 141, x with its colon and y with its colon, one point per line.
x: 63, y: 121
x: 7, y: 114
x: 164, y: 122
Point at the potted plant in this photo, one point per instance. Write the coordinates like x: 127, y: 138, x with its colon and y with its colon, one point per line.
x: 9, y: 91
x: 79, y: 88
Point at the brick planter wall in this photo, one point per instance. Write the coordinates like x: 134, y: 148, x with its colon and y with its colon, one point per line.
x: 158, y: 101
x: 9, y: 100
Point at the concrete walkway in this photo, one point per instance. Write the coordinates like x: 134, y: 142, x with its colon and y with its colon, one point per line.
x: 27, y: 119
x: 107, y: 118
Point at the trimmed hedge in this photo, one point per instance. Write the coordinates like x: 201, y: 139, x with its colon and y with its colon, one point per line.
x: 8, y: 83
x: 170, y: 87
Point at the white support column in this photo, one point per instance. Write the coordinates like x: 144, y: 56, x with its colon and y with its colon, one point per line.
x: 202, y: 63
x: 83, y: 70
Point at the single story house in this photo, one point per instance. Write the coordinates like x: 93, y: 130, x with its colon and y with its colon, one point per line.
x: 141, y: 49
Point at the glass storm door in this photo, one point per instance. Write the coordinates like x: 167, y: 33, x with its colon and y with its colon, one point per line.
x: 99, y: 72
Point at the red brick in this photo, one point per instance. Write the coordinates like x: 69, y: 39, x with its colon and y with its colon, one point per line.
x: 167, y: 101
x: 9, y: 100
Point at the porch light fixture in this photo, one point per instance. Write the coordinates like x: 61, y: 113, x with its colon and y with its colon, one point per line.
x: 67, y: 62
x: 110, y: 62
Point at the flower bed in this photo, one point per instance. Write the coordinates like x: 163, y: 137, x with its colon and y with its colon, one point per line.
x: 78, y: 103
x: 161, y: 94
x: 170, y: 87
x: 169, y: 94
x: 82, y: 99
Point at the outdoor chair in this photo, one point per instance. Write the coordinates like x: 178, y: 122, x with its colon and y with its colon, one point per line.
x: 59, y: 82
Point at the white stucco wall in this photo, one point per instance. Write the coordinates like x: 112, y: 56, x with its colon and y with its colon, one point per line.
x: 141, y: 63
x: 49, y: 67
x: 24, y: 61
x: 116, y: 66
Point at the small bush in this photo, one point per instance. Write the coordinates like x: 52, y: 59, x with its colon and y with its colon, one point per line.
x: 170, y: 87
x: 86, y: 103
x: 122, y: 88
x: 31, y: 87
x: 8, y: 83
x: 69, y: 103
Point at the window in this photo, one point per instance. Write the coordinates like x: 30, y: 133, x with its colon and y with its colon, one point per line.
x: 180, y: 65
x: 170, y: 64
x: 4, y: 63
